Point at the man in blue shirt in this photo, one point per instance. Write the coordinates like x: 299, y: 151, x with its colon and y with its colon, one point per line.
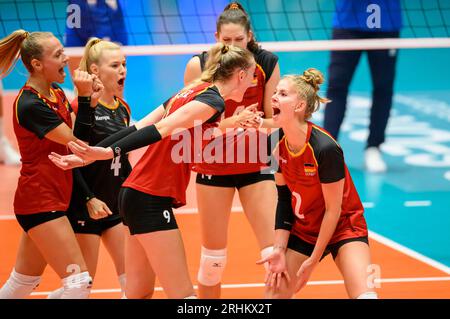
x: 103, y: 19
x: 364, y: 19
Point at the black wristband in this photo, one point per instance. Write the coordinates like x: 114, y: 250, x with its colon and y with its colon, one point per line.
x: 82, y: 186
x: 85, y: 112
x: 116, y: 136
x: 143, y: 137
x: 85, y: 119
x: 284, y: 218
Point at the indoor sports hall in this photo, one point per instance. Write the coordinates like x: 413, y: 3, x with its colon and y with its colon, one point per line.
x: 407, y: 208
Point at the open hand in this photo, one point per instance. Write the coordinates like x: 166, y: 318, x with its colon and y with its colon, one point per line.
x: 90, y: 153
x: 66, y: 162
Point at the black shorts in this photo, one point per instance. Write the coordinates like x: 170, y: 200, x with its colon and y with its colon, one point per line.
x: 235, y: 180
x: 32, y: 220
x: 144, y: 213
x: 305, y: 248
x: 92, y: 226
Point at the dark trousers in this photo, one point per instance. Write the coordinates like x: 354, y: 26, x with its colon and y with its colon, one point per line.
x: 340, y: 73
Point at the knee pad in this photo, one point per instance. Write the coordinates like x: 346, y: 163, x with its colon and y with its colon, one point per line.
x: 19, y: 286
x: 212, y: 264
x: 77, y: 286
x: 368, y: 295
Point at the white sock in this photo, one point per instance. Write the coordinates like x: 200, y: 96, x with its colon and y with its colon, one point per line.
x: 122, y: 281
x: 19, y: 286
x: 56, y: 294
x: 265, y: 253
x: 77, y: 286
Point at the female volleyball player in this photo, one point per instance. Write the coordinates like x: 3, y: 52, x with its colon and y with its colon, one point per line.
x: 94, y: 210
x: 42, y: 124
x: 226, y: 172
x: 319, y: 210
x: 159, y: 180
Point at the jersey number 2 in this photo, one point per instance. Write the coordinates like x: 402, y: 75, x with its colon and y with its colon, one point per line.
x: 298, y: 203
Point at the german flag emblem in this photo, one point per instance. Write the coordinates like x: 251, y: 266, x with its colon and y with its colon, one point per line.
x: 310, y: 169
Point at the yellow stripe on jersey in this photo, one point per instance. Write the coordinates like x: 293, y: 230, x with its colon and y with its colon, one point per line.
x: 326, y: 133
x: 109, y: 106
x: 293, y: 154
x: 172, y: 100
x: 264, y: 73
x: 17, y: 105
x: 312, y: 152
x: 125, y: 104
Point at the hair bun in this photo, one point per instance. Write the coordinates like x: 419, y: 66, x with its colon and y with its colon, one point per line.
x: 313, y: 77
x: 225, y: 49
x: 234, y: 6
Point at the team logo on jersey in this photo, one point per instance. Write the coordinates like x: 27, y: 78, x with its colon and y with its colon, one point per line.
x: 310, y: 169
x: 102, y: 118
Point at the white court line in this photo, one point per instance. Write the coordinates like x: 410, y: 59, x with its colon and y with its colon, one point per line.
x: 184, y: 211
x: 409, y: 252
x: 368, y: 205
x: 260, y: 285
x: 417, y: 203
x: 381, y: 239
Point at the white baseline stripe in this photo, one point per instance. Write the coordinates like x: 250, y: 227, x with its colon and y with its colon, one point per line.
x: 368, y: 205
x: 260, y: 285
x: 417, y: 203
x: 409, y: 252
x: 186, y: 211
x: 383, y: 240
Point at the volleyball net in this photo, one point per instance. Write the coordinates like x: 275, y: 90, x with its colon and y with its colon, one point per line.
x: 154, y: 27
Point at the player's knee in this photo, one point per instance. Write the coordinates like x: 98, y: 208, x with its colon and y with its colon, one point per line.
x: 212, y: 265
x: 368, y: 295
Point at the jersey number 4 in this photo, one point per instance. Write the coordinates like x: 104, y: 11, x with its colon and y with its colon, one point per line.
x: 116, y: 165
x: 298, y: 203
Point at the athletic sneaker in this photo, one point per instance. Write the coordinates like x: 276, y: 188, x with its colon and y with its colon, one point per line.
x: 8, y: 154
x: 374, y: 160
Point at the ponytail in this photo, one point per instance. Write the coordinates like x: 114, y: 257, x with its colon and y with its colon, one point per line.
x: 93, y: 51
x: 9, y: 50
x: 223, y: 60
x: 22, y: 43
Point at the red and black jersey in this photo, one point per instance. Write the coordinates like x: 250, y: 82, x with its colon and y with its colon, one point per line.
x: 240, y: 153
x: 164, y: 169
x: 104, y: 178
x: 320, y: 161
x: 42, y: 186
